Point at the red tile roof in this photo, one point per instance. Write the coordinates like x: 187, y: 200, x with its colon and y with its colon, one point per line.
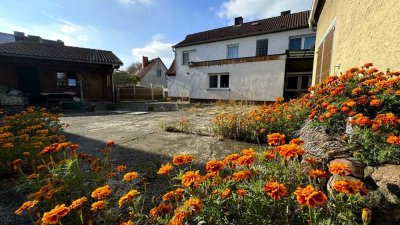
x: 58, y: 52
x: 141, y: 73
x: 271, y: 25
x: 172, y: 69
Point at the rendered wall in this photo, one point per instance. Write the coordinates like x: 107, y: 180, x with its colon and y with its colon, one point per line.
x: 366, y: 31
x: 152, y: 78
x: 258, y: 81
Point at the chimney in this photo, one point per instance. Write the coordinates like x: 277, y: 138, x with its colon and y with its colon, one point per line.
x: 34, y: 38
x: 145, y: 61
x: 19, y: 34
x: 238, y: 20
x: 285, y: 13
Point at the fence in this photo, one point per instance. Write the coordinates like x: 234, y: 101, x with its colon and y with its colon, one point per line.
x: 139, y: 93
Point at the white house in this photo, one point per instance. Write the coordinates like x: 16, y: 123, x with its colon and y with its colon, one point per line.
x: 152, y: 73
x: 258, y: 60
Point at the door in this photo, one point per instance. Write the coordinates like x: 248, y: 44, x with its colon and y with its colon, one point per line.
x: 95, y: 87
x: 29, y: 83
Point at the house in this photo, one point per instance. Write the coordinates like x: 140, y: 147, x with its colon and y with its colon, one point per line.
x: 45, y: 70
x: 258, y: 60
x: 152, y: 73
x: 352, y: 33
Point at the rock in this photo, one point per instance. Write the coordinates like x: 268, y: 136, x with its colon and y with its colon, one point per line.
x: 319, y: 144
x: 356, y: 166
x: 332, y: 180
x: 384, y: 193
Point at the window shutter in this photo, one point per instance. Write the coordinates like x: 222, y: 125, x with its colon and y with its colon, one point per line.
x: 324, y: 57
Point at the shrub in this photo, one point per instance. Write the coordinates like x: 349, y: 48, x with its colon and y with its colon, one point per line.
x: 24, y: 134
x: 253, y: 126
x: 371, y: 100
x: 268, y: 187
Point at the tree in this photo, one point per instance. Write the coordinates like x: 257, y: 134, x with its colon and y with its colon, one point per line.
x: 123, y: 78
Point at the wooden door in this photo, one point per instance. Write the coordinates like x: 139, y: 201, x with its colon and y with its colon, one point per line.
x: 95, y: 87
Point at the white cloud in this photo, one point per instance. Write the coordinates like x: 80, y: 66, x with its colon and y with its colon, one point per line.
x: 71, y: 33
x: 144, y: 2
x: 259, y: 9
x: 156, y: 48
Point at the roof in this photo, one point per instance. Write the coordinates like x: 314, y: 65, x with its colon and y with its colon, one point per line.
x: 5, y: 38
x: 172, y: 69
x: 271, y: 25
x: 58, y: 52
x: 141, y: 73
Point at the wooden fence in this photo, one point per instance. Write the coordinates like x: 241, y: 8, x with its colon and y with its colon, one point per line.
x: 139, y: 93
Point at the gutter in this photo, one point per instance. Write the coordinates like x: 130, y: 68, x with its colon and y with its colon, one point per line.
x: 311, y: 21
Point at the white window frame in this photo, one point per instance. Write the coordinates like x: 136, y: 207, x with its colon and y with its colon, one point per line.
x: 230, y: 46
x: 299, y: 76
x: 218, y: 82
x: 303, y: 40
x: 183, y: 61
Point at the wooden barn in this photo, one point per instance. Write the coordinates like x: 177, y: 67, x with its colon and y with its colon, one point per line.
x: 45, y: 71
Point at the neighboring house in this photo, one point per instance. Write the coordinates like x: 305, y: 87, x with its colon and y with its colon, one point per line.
x: 352, y: 33
x: 46, y: 70
x: 152, y: 73
x: 258, y: 60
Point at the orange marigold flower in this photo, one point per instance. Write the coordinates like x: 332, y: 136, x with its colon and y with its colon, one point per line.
x: 179, y: 160
x: 318, y: 173
x: 375, y: 102
x: 193, y: 204
x: 26, y: 154
x: 241, y: 192
x: 99, y: 205
x: 121, y: 168
x: 296, y: 141
x: 310, y: 197
x: 110, y: 143
x: 161, y: 209
x: 165, y: 169
x: 290, y: 151
x: 191, y: 178
x: 33, y: 176
x: 129, y: 222
x: 362, y: 121
x: 367, y: 65
x: 130, y: 176
x: 101, y: 192
x: 275, y: 190
x: 55, y: 214
x: 394, y: 140
x: 8, y: 145
x: 129, y: 196
x: 226, y: 193
x: 231, y: 159
x: 241, y: 175
x: 78, y: 203
x: 340, y: 168
x: 246, y: 160
x: 214, y: 166
x: 356, y: 91
x: 16, y: 163
x: 248, y: 151
x: 276, y: 139
x: 350, y: 187
x: 268, y: 155
x: 28, y: 205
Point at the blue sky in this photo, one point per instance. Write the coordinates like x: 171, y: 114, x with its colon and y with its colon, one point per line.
x: 131, y: 28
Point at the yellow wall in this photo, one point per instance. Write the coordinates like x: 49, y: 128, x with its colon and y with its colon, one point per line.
x: 366, y: 31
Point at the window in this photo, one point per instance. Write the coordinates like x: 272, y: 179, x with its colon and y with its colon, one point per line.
x: 158, y: 73
x: 66, y: 79
x: 185, y: 58
x: 233, y: 51
x: 324, y: 57
x: 262, y: 47
x: 219, y: 81
x: 61, y: 79
x: 301, y: 43
x: 298, y: 82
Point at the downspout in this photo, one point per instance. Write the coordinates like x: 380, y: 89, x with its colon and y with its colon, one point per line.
x: 311, y: 21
